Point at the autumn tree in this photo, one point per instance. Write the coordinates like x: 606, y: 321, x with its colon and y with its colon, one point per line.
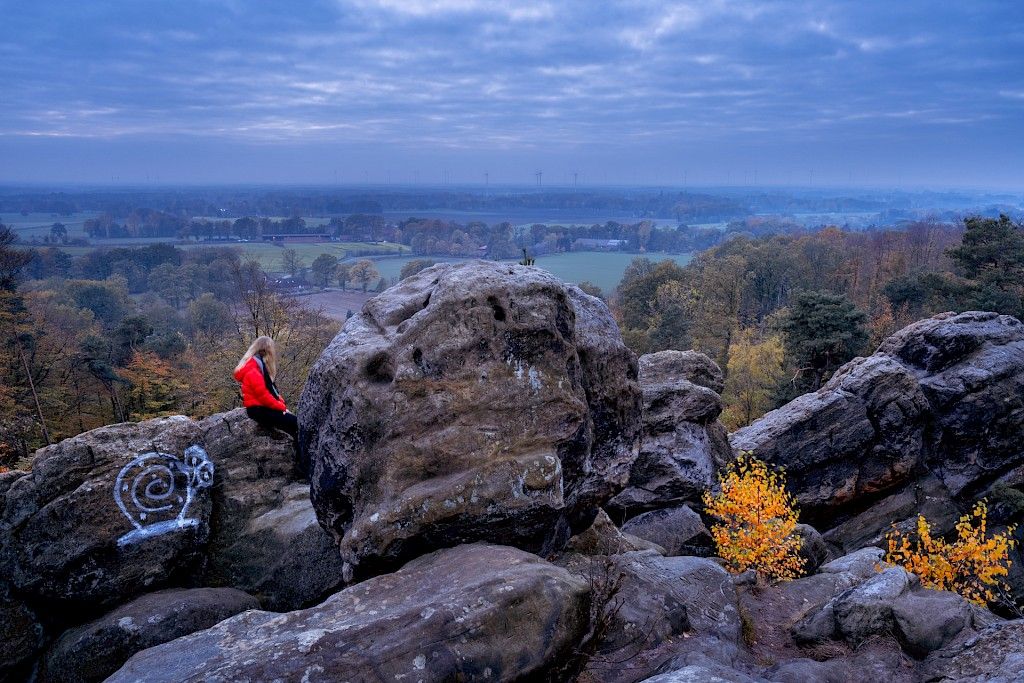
x: 755, y: 370
x: 974, y: 565
x: 343, y: 273
x: 756, y: 526
x: 364, y: 272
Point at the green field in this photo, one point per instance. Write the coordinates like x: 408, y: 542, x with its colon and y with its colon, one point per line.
x: 604, y: 269
x: 270, y: 255
x: 38, y: 224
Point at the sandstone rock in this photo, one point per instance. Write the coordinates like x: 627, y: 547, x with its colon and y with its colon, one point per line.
x: 61, y: 528
x: 474, y: 612
x: 928, y: 620
x: 995, y: 655
x: 944, y: 393
x: 867, y: 610
x: 689, y: 600
x: 691, y: 366
x: 679, y: 530
x: 61, y: 522
x: 813, y: 548
x: 94, y: 651
x: 683, y: 444
x: 21, y: 636
x: 698, y: 673
x: 604, y: 538
x: 860, y: 434
x: 470, y: 401
x: 862, y: 563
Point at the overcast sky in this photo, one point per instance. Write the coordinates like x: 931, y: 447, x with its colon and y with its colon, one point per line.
x: 911, y: 92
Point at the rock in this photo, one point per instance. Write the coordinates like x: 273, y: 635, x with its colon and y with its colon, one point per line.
x: 697, y: 673
x: 861, y: 434
x: 604, y: 538
x: 679, y: 530
x: 924, y: 496
x: 943, y: 395
x: 62, y: 522
x: 928, y: 620
x: 867, y: 609
x: 21, y: 636
x: 659, y: 600
x: 470, y: 401
x: 863, y: 563
x: 690, y: 366
x: 683, y: 443
x: 94, y: 651
x: 62, y: 532
x: 995, y: 655
x: 813, y: 548
x: 474, y: 612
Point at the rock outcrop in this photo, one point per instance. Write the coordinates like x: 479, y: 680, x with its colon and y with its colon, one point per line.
x: 476, y: 612
x: 937, y: 411
x: 93, y: 651
x: 683, y: 443
x: 679, y: 530
x: 469, y: 402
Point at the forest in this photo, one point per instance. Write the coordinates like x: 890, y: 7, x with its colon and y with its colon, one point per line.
x: 781, y: 313
x: 128, y: 333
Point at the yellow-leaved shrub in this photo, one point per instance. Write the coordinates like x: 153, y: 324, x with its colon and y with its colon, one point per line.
x: 973, y: 565
x: 756, y: 521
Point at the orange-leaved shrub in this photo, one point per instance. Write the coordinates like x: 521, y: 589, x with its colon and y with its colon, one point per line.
x: 973, y: 565
x: 757, y: 521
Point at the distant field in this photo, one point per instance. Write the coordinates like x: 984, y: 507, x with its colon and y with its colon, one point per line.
x: 604, y: 269
x: 38, y: 224
x: 270, y: 255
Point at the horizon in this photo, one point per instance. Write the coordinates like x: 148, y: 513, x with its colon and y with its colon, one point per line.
x: 436, y: 93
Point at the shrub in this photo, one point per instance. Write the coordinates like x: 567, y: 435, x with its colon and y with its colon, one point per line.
x: 972, y: 565
x: 757, y: 521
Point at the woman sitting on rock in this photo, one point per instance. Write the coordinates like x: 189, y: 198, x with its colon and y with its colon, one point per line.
x: 263, y: 403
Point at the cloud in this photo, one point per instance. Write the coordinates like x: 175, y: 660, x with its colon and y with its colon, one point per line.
x: 462, y: 74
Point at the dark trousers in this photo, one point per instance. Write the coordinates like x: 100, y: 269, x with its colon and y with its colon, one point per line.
x: 275, y: 419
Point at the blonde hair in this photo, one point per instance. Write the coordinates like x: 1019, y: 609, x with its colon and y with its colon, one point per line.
x: 267, y: 350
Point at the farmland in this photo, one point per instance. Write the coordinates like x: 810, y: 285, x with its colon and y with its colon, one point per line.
x: 604, y: 269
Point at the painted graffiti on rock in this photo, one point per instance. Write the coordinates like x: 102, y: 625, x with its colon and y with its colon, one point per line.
x: 155, y: 491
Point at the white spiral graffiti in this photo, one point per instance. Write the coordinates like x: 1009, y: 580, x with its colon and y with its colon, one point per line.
x: 155, y: 491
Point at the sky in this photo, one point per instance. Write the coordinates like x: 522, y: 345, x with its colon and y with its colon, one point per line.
x: 862, y: 93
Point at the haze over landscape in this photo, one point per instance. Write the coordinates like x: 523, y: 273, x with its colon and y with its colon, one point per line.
x: 441, y: 91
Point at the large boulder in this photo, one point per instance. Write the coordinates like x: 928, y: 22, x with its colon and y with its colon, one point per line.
x: 679, y: 530
x: 944, y: 395
x: 604, y: 538
x: 130, y: 508
x: 95, y: 650
x: 995, y: 655
x: 70, y: 529
x: 475, y: 612
x: 470, y: 401
x: 683, y: 444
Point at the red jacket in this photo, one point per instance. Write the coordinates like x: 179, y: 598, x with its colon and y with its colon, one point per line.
x: 254, y: 387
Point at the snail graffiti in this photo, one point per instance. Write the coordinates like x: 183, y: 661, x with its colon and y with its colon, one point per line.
x: 155, y: 491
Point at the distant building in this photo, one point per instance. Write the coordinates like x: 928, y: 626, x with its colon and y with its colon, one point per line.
x: 298, y: 237
x: 585, y: 244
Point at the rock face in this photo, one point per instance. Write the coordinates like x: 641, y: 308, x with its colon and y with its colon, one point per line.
x: 683, y: 443
x: 679, y: 530
x: 945, y: 394
x: 94, y: 651
x: 476, y: 612
x: 62, y: 530
x: 996, y: 655
x: 468, y: 402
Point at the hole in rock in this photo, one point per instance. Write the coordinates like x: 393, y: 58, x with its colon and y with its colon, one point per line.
x: 379, y: 369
